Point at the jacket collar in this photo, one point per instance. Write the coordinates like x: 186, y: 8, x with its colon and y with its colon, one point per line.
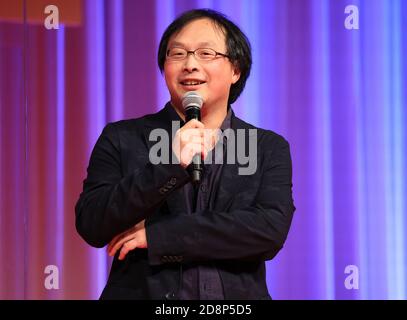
x: 229, y: 182
x: 163, y: 119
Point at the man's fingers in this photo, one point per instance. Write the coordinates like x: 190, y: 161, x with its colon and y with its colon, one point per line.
x: 194, y: 124
x: 116, y: 246
x: 191, y: 149
x: 123, y: 238
x: 185, y: 141
x: 113, y: 242
x: 128, y: 246
x: 187, y: 135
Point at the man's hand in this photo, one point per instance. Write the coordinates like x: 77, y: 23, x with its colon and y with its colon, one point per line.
x: 129, y: 240
x: 193, y: 138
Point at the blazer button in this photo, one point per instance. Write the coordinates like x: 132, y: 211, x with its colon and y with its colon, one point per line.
x: 170, y: 296
x: 173, y: 181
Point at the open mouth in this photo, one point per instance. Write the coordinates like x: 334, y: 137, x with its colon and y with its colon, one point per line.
x: 192, y: 83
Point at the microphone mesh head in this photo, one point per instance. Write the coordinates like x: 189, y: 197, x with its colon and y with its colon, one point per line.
x: 192, y: 99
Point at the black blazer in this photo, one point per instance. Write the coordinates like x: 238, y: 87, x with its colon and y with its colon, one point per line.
x: 248, y: 225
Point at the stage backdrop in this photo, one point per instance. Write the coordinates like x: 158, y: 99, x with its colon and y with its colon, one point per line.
x: 338, y: 95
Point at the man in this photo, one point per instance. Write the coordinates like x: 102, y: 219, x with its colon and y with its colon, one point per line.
x: 172, y: 239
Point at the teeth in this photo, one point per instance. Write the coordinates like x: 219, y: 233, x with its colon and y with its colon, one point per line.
x: 192, y: 83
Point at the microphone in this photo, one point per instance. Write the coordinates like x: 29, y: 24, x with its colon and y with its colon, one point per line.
x: 192, y: 104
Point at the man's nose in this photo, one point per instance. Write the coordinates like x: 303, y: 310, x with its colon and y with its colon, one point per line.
x: 190, y: 63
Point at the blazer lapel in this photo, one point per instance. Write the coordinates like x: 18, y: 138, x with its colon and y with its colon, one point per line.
x: 164, y: 120
x: 230, y: 181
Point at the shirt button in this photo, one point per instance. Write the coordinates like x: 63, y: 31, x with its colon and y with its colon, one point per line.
x: 203, y: 187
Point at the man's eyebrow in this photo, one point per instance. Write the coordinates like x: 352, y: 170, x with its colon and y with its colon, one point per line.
x: 200, y: 44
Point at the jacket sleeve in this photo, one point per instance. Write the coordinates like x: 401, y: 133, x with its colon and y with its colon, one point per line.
x: 256, y: 231
x: 110, y: 202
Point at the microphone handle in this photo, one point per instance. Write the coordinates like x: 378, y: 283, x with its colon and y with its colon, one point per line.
x: 196, y: 169
x: 196, y: 164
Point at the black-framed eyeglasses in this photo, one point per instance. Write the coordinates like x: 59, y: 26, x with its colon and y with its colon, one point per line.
x: 203, y: 54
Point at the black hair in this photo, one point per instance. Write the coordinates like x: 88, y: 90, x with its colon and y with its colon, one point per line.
x: 237, y: 44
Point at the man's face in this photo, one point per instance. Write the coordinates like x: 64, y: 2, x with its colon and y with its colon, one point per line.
x: 217, y: 75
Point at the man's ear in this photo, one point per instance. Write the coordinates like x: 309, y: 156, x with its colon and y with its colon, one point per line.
x: 236, y: 74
